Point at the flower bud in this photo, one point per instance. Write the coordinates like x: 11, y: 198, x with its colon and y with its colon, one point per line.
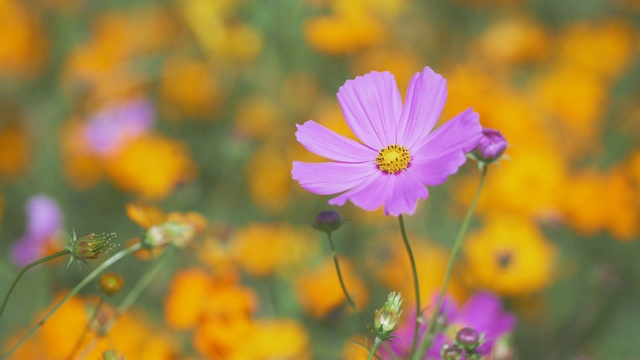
x: 490, y: 148
x: 451, y: 352
x: 111, y: 283
x: 387, y: 318
x: 90, y: 246
x: 169, y: 232
x: 467, y: 338
x: 327, y: 221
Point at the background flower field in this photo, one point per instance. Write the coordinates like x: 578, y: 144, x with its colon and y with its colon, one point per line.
x: 119, y: 115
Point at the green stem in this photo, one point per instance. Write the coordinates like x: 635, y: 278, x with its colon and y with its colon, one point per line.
x: 416, y: 286
x: 429, y: 334
x: 110, y: 261
x: 24, y: 270
x: 133, y: 295
x: 344, y: 288
x: 87, y: 328
x: 373, y: 350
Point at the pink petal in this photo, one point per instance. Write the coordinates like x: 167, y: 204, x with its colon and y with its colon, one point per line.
x: 423, y: 105
x: 372, y: 105
x: 398, y: 193
x: 435, y: 171
x: 462, y: 133
x: 331, y: 178
x: 326, y: 143
x: 406, y: 189
x: 369, y: 195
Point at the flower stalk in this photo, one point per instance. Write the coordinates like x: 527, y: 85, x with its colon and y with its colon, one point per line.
x: 416, y: 286
x: 428, y: 336
x: 337, y: 265
x: 97, y: 271
x: 24, y: 270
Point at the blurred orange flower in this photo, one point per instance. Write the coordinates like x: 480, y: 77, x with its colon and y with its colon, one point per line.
x: 263, y: 249
x: 319, y: 291
x: 150, y: 166
x: 509, y: 256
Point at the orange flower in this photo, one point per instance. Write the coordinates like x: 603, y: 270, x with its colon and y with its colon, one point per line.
x: 509, y: 256
x: 133, y: 335
x: 151, y: 166
x: 189, y: 88
x: 266, y: 249
x: 22, y: 42
x: 14, y: 150
x: 145, y: 215
x: 596, y: 202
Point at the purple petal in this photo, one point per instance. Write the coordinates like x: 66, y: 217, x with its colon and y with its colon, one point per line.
x: 405, y: 190
x: 372, y: 105
x: 432, y: 172
x: 483, y: 312
x: 368, y: 195
x: 326, y: 143
x: 423, y: 105
x: 107, y: 129
x: 26, y: 251
x: 462, y: 133
x: 332, y: 178
x: 44, y: 217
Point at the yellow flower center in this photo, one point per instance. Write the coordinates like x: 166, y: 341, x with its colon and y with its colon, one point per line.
x: 393, y: 158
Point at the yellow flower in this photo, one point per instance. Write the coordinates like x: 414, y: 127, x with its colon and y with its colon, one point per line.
x: 583, y: 44
x: 339, y: 35
x: 269, y: 179
x: 513, y: 41
x: 318, y: 289
x: 274, y: 339
x: 509, y: 256
x: 150, y: 166
x: 266, y: 249
x: 257, y: 118
x: 189, y: 88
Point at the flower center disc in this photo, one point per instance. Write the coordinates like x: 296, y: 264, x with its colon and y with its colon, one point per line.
x: 393, y: 158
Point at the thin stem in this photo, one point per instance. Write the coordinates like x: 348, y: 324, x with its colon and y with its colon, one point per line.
x: 24, y: 270
x: 132, y: 296
x: 373, y: 350
x: 416, y: 286
x: 110, y: 261
x: 344, y: 288
x: 87, y: 328
x: 429, y: 335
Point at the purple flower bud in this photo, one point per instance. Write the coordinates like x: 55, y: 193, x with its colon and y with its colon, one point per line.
x: 491, y: 145
x: 468, y: 338
x: 327, y: 221
x: 451, y: 352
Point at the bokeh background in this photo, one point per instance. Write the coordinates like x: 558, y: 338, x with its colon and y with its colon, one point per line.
x: 191, y: 106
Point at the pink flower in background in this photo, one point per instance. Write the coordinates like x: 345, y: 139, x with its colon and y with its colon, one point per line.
x: 483, y: 313
x: 44, y: 222
x: 399, y: 153
x: 108, y: 129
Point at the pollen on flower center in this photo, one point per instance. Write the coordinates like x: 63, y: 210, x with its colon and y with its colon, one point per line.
x: 393, y: 158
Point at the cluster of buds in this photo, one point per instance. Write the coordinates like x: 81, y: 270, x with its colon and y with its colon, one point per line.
x: 465, y: 346
x: 387, y: 318
x: 170, y: 232
x: 90, y: 246
x: 490, y: 149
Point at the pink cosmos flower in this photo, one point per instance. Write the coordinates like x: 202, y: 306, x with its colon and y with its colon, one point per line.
x: 399, y: 154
